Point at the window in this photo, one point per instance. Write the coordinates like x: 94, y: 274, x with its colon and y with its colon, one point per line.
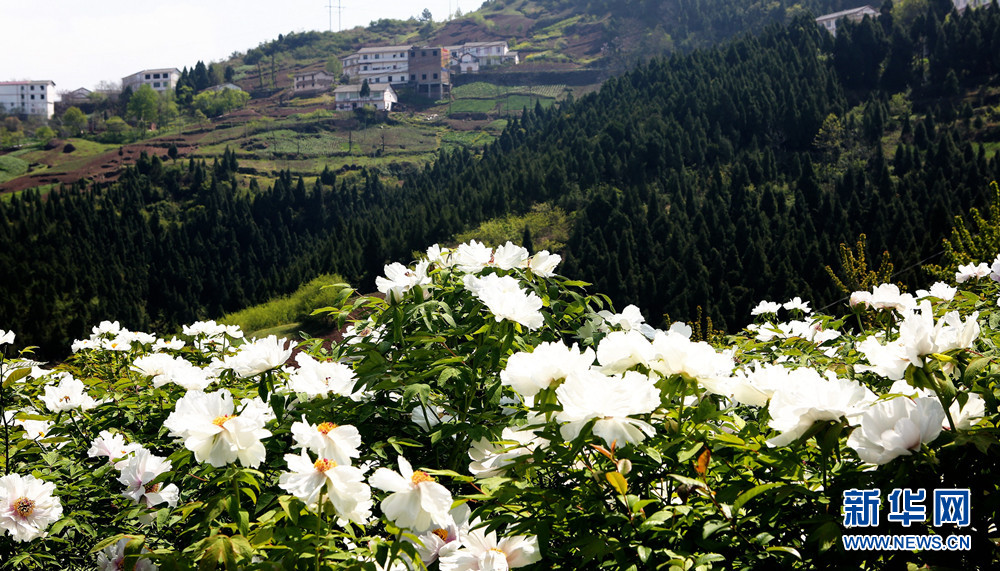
x: 435, y: 76
x: 156, y: 84
x: 42, y: 96
x: 32, y: 88
x: 376, y: 80
x: 376, y: 56
x: 156, y: 76
x: 364, y: 57
x: 32, y: 96
x: 364, y: 67
x: 413, y: 77
x: 434, y: 53
x: 423, y: 76
x: 423, y: 54
x: 147, y: 76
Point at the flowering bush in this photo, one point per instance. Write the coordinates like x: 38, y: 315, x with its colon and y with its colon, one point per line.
x: 489, y: 414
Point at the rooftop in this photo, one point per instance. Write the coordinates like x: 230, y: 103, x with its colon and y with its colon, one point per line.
x: 28, y: 82
x: 843, y: 13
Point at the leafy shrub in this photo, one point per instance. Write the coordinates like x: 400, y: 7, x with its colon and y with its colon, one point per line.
x: 486, y: 384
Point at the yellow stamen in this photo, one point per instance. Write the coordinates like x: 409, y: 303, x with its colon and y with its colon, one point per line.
x: 324, y: 464
x: 441, y: 533
x: 498, y: 550
x: 419, y: 477
x: 220, y: 420
x: 326, y: 427
x: 152, y: 488
x: 24, y: 506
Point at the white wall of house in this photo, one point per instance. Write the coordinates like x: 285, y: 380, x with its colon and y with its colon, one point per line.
x: 158, y: 79
x: 30, y: 97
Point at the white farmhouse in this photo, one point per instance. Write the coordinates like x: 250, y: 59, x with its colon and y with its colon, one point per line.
x: 28, y: 97
x: 379, y: 65
x: 348, y: 97
x: 829, y: 21
x: 159, y: 79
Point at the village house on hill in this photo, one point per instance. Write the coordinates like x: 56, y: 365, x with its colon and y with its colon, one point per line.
x: 829, y: 21
x: 348, y: 97
x: 429, y: 71
x: 28, y: 97
x: 162, y: 79
x: 470, y: 57
x: 378, y: 64
x: 312, y: 82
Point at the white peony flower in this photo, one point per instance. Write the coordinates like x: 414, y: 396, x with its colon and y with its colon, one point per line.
x: 259, y: 356
x: 417, y: 502
x: 112, y: 558
x: 210, y: 429
x: 796, y: 303
x: 971, y: 271
x: 794, y: 408
x: 427, y: 417
x: 675, y: 354
x: 547, y: 365
x: 766, y: 308
x: 509, y: 256
x: 472, y: 256
x: 69, y: 394
x: 6, y: 337
x: 138, y: 471
x: 112, y: 446
x: 628, y: 320
x: 939, y: 290
x: 612, y: 401
x: 320, y: 378
x: 27, y: 506
x: 896, y: 427
x: 492, y: 458
x: 328, y: 440
x: 622, y: 350
x: 446, y: 539
x: 174, y: 344
x: 399, y: 279
x: 341, y: 485
x: 544, y: 264
x: 505, y: 299
x: 482, y: 552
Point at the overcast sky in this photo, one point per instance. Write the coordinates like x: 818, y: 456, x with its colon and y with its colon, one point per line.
x: 80, y: 43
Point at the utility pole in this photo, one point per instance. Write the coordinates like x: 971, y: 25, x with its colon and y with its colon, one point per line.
x: 340, y: 15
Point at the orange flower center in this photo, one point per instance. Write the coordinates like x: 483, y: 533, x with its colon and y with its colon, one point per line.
x: 441, y: 533
x: 419, y: 477
x: 326, y: 427
x: 152, y: 488
x: 220, y: 420
x: 24, y: 506
x: 498, y: 550
x: 324, y: 464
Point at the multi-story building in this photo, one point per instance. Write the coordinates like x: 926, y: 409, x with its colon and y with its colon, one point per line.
x: 310, y: 82
x: 28, y: 97
x: 429, y: 72
x: 159, y: 79
x: 379, y: 65
x: 381, y: 97
x: 469, y: 57
x: 829, y: 21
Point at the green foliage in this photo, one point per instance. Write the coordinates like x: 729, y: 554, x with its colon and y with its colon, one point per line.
x: 691, y: 465
x: 548, y: 225
x: 220, y: 102
x: 11, y: 167
x: 296, y: 308
x: 74, y: 120
x: 142, y: 106
x: 971, y: 245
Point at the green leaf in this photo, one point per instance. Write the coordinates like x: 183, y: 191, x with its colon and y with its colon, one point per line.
x: 825, y: 535
x: 618, y: 482
x: 753, y: 493
x: 16, y: 375
x: 790, y: 550
x: 975, y: 368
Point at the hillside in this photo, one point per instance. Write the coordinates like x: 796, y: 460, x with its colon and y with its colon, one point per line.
x: 694, y: 186
x: 567, y: 49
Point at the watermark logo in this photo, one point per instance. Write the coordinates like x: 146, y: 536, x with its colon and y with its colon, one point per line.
x: 862, y: 508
